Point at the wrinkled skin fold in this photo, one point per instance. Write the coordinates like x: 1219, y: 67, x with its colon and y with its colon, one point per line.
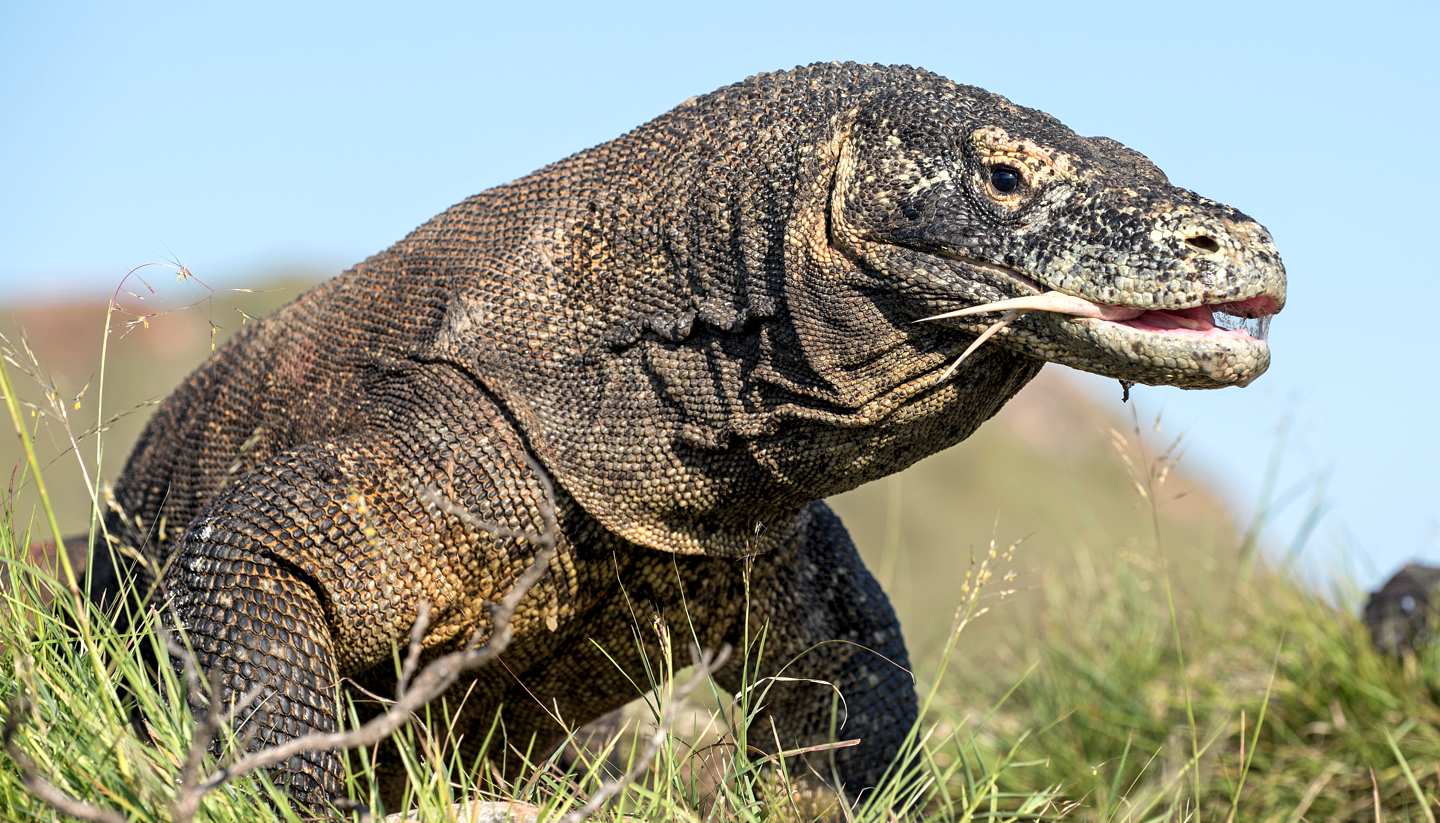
x: 698, y: 331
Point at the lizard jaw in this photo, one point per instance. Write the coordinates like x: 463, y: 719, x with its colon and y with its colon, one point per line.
x: 1204, y: 346
x: 1165, y: 348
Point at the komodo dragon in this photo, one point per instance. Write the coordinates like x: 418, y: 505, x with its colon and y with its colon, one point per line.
x: 698, y: 330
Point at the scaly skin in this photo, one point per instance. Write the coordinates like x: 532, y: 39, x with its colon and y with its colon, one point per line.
x: 699, y: 330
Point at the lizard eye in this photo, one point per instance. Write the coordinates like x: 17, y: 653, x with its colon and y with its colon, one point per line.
x: 1005, y: 179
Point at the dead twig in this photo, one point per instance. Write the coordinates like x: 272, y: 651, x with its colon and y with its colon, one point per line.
x: 417, y: 640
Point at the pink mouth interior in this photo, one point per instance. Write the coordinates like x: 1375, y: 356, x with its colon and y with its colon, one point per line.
x: 1247, y: 318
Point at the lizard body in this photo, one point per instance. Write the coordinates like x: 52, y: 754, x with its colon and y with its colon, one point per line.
x: 698, y: 330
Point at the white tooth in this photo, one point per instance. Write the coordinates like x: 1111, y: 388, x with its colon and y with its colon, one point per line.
x: 1256, y: 327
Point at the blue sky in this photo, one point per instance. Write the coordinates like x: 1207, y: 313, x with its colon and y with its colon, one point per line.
x: 239, y: 136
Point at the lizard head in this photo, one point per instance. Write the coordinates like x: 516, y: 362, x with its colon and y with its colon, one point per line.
x: 1075, y: 250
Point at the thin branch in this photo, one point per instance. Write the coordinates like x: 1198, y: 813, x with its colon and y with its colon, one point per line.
x: 417, y: 639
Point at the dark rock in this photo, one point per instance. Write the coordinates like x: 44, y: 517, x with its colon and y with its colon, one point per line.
x: 1401, y: 615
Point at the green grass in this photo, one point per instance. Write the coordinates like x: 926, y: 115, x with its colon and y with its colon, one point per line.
x: 1293, y: 715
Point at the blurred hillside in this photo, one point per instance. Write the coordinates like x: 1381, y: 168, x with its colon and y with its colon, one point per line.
x: 164, y: 326
x: 1048, y: 469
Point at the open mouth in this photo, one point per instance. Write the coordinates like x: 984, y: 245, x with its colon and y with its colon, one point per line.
x: 1234, y: 333
x: 1247, y: 318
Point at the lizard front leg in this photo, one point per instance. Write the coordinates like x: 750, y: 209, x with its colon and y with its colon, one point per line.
x: 827, y: 629
x: 314, y: 564
x: 255, y: 624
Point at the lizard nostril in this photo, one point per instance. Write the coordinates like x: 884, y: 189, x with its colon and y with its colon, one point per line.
x: 1203, y: 242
